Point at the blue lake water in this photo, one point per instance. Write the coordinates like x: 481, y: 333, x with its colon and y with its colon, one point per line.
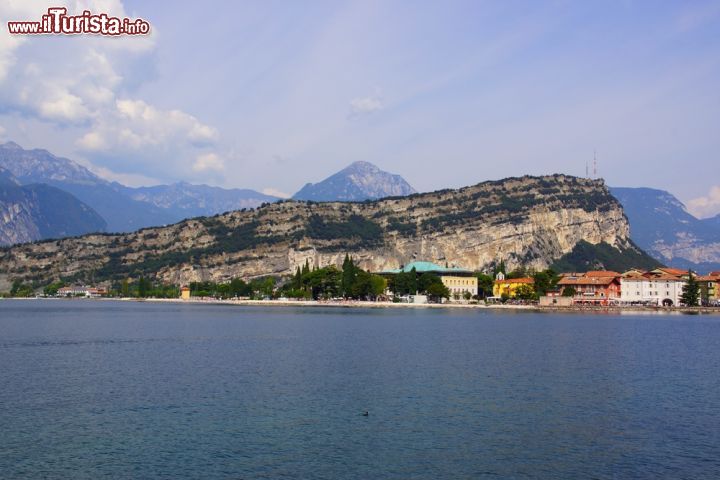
x: 92, y: 389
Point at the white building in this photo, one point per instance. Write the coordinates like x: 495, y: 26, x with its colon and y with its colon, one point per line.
x: 78, y: 290
x: 651, y: 288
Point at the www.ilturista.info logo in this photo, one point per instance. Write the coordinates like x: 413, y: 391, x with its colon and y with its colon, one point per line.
x: 57, y: 21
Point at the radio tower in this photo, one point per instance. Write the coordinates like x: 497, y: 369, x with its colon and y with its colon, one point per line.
x: 595, y: 175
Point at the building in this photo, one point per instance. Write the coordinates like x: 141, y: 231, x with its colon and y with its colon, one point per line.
x: 185, y: 293
x: 81, y: 291
x: 508, y: 287
x: 709, y: 289
x: 593, y: 288
x: 457, y: 280
x: 657, y: 287
x: 675, y: 272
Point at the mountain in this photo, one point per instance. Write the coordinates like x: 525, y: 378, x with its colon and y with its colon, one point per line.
x: 660, y: 224
x: 529, y: 221
x: 37, y: 211
x: 187, y: 200
x: 357, y: 182
x: 121, y: 212
x: 124, y: 208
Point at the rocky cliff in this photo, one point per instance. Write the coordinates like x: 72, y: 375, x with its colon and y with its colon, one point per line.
x: 528, y: 221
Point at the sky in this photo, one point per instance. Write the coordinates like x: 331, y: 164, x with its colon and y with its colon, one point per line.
x: 270, y: 95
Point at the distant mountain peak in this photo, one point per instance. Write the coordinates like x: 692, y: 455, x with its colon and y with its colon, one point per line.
x: 363, y: 166
x: 40, y: 166
x: 11, y: 146
x: 357, y: 182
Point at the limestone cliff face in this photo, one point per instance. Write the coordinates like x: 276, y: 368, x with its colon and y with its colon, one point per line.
x: 529, y: 221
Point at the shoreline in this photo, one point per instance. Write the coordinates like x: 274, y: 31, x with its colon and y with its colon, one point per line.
x: 365, y: 304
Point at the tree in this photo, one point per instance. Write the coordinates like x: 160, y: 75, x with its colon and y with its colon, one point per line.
x: 264, y: 287
x: 324, y: 282
x: 499, y: 269
x: 404, y: 283
x: 238, y: 288
x: 398, y: 284
x: 426, y: 280
x: 297, y: 280
x: 142, y: 287
x: 544, y: 281
x: 519, y: 272
x: 53, y: 288
x: 361, y: 285
x: 690, y: 292
x: 437, y: 291
x: 525, y: 292
x: 349, y: 274
x: 485, y: 285
x: 19, y: 289
x: 569, y: 292
x: 377, y: 286
x: 412, y: 281
x: 125, y: 288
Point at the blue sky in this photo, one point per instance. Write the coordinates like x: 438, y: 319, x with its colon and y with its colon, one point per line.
x: 270, y: 95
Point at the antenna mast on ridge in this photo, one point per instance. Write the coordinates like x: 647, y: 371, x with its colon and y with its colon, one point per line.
x: 594, y: 164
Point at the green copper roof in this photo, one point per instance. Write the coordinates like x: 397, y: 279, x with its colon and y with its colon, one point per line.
x: 422, y: 267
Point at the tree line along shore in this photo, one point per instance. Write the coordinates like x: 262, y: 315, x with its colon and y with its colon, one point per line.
x: 351, y: 283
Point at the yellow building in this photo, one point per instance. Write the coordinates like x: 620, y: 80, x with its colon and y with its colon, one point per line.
x: 508, y: 287
x: 708, y: 284
x: 185, y: 293
x: 459, y: 285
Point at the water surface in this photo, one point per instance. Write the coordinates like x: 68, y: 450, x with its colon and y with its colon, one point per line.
x: 92, y: 389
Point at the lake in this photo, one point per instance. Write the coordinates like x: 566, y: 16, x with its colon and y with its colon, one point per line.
x: 92, y: 389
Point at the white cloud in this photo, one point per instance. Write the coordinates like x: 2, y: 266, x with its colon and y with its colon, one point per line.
x: 361, y: 106
x: 275, y: 192
x: 706, y: 206
x: 86, y: 83
x: 63, y: 106
x: 134, y: 125
x: 208, y: 161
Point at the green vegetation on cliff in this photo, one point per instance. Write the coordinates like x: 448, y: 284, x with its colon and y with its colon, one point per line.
x: 585, y: 257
